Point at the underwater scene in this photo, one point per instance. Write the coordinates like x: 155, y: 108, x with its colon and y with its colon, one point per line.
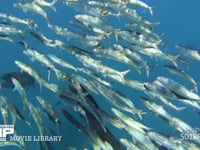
x: 99, y: 75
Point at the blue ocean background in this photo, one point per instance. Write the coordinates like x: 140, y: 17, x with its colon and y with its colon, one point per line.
x: 179, y: 24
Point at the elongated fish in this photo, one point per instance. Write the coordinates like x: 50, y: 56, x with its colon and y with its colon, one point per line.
x: 15, y: 113
x: 31, y: 7
x: 21, y: 91
x: 45, y: 3
x: 178, y: 89
x: 191, y: 53
x: 37, y: 118
x: 183, y: 74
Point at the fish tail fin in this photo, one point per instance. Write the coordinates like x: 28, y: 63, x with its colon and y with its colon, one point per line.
x: 54, y: 9
x: 137, y: 111
x: 52, y: 5
x: 195, y: 88
x: 40, y: 84
x: 151, y: 10
x: 107, y: 35
x: 152, y: 24
x: 23, y: 43
x: 58, y: 74
x: 54, y: 1
x: 140, y: 113
x: 173, y: 59
x: 58, y: 43
x: 15, y: 88
x: 116, y: 31
x: 123, y: 73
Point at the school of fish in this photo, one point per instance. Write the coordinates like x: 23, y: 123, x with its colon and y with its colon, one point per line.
x: 99, y: 49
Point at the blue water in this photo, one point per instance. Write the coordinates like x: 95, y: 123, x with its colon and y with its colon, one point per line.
x: 179, y: 21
